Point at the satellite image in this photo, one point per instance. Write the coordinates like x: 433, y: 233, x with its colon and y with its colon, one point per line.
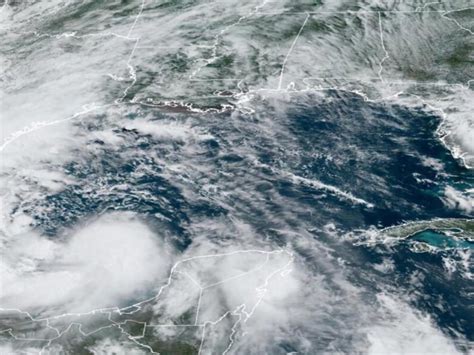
x: 236, y: 177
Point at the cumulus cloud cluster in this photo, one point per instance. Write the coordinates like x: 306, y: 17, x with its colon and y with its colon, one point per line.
x: 230, y: 298
x: 403, y: 330
x: 104, y: 264
x: 461, y: 200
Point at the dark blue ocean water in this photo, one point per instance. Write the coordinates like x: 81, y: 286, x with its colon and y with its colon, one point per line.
x: 378, y: 153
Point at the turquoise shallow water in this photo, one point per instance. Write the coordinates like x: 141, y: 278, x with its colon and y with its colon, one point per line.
x: 441, y: 240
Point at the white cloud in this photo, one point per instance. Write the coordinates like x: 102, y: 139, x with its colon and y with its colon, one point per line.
x: 402, y: 330
x: 166, y: 130
x: 108, y: 346
x: 106, y: 263
x: 459, y: 200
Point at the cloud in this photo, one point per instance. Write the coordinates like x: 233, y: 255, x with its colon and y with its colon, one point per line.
x: 103, y: 264
x: 165, y: 130
x: 463, y: 201
x: 229, y: 295
x: 403, y: 330
x: 108, y: 346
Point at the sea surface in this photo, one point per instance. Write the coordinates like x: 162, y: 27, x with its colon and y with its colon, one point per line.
x: 196, y: 178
